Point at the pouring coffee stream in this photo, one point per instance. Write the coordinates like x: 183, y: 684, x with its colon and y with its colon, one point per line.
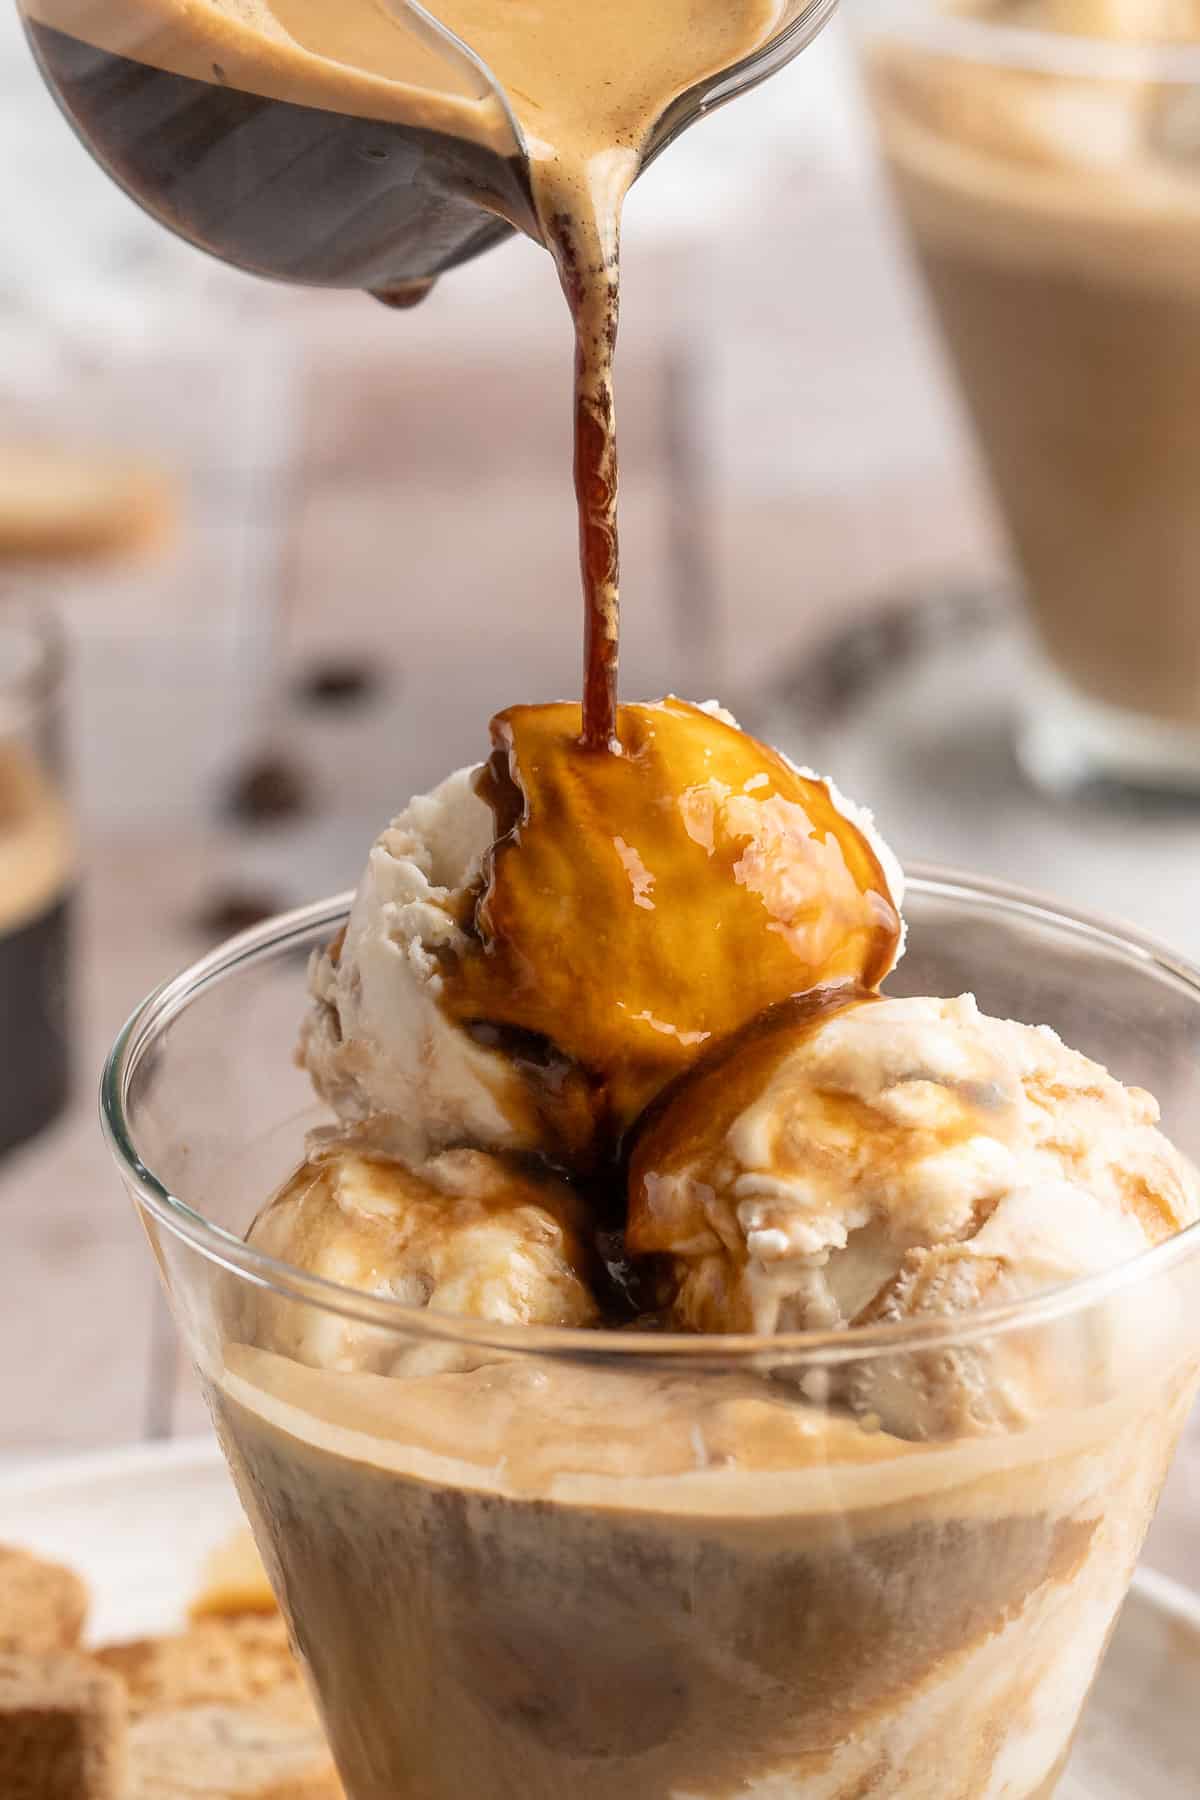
x: 378, y: 143
x: 585, y: 115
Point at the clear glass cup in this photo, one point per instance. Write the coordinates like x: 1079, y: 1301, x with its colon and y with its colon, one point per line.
x: 525, y: 1563
x: 323, y: 171
x: 1050, y: 186
x: 37, y: 874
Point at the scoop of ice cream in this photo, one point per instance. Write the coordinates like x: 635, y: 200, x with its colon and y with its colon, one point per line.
x: 894, y: 1159
x: 1037, y: 1238
x: 466, y: 1234
x: 527, y: 969
x: 376, y: 1042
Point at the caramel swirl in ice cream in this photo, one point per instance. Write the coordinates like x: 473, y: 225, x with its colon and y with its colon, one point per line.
x: 637, y: 908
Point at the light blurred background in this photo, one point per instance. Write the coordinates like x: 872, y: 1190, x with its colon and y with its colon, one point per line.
x: 375, y: 549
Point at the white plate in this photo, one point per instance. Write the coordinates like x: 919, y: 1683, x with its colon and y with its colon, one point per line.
x: 138, y: 1523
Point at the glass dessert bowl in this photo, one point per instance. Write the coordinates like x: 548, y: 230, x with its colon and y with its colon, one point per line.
x: 536, y: 1560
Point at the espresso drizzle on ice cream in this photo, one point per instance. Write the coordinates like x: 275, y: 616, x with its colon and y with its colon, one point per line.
x: 632, y: 911
x: 544, y: 946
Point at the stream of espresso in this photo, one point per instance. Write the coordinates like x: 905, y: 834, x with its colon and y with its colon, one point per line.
x: 587, y: 84
x: 309, y: 138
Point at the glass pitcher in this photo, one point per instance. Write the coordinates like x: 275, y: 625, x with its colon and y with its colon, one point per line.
x: 277, y: 149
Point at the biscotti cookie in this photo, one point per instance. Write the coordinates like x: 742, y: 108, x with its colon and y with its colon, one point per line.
x: 58, y: 504
x: 216, y: 1660
x: 234, y: 1581
x: 62, y: 1730
x: 258, y: 1751
x: 42, y: 1606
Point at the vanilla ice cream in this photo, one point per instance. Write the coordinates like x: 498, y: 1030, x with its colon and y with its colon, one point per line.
x: 378, y: 1046
x: 904, y: 1158
x: 465, y: 1234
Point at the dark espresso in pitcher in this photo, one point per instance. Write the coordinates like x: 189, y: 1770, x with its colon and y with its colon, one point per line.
x: 302, y: 193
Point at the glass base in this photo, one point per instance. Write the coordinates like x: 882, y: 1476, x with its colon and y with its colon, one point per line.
x: 1068, y: 742
x: 919, y: 709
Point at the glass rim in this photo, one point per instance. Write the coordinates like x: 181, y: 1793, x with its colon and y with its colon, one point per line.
x: 819, y: 1348
x: 924, y: 24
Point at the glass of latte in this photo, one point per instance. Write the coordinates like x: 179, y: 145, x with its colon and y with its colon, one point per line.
x: 1045, y: 157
